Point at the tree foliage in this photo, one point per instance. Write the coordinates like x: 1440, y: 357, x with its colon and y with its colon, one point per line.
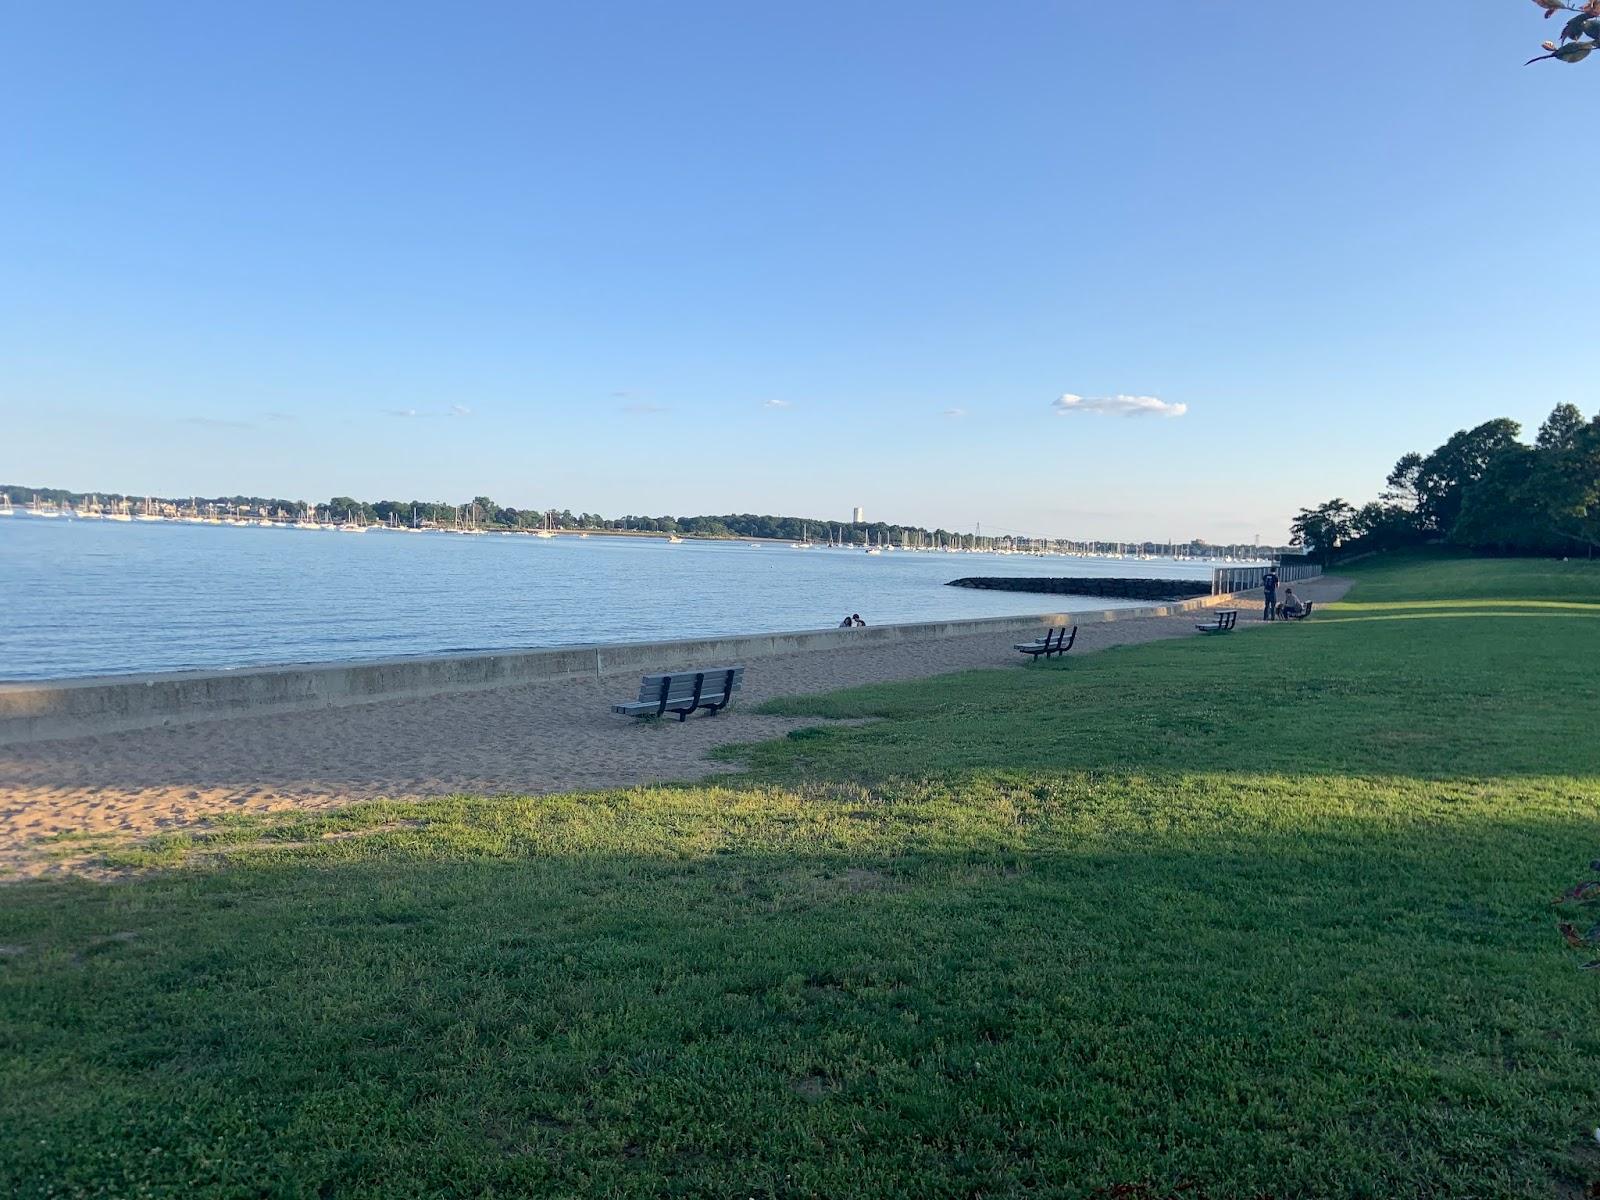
x: 1579, y: 34
x: 1324, y: 529
x: 1482, y: 489
x: 1443, y: 477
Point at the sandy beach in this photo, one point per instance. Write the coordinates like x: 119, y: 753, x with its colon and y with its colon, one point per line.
x: 530, y: 739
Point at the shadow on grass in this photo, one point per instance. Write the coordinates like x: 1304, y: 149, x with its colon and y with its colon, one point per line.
x: 1228, y: 981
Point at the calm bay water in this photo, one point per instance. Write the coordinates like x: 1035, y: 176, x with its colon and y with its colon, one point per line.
x: 96, y: 597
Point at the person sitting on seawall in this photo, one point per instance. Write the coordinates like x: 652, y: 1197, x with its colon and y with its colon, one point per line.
x: 847, y: 623
x: 1269, y: 585
x: 855, y: 619
x: 1291, y: 604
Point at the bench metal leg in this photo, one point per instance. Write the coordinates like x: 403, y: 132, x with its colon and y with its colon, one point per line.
x: 694, y: 702
x: 727, y: 695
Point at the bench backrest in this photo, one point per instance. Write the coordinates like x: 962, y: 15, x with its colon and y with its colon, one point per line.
x: 680, y: 685
x: 1227, y: 617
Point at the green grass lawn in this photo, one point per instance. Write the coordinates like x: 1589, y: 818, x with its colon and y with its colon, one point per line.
x: 1262, y: 915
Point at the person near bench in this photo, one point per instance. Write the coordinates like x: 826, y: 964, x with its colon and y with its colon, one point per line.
x: 1269, y: 585
x: 1292, y: 606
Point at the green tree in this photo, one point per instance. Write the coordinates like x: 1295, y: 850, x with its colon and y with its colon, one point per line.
x: 1443, y: 477
x: 344, y: 508
x: 1561, y: 428
x: 1401, y: 484
x: 1324, y: 529
x: 1381, y: 525
x: 1501, y: 510
x: 1571, y: 488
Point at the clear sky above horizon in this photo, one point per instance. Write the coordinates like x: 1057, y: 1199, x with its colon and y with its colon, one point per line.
x: 724, y: 257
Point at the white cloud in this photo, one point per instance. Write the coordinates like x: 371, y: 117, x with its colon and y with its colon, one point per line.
x: 775, y: 404
x: 1127, y: 406
x: 455, y: 410
x: 954, y: 412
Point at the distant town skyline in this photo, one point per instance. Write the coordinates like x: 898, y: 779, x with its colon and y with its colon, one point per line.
x: 998, y: 268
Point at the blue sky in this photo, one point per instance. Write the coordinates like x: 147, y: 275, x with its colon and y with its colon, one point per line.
x: 731, y: 257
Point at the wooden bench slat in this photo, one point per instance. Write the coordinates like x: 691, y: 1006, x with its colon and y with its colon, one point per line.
x: 660, y: 675
x: 682, y: 686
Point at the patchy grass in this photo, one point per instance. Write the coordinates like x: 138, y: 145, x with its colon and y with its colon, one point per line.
x: 1260, y: 915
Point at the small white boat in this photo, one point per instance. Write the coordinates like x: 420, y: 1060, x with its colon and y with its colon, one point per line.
x: 674, y: 538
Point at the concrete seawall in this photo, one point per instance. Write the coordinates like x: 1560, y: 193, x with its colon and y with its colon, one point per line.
x: 112, y: 703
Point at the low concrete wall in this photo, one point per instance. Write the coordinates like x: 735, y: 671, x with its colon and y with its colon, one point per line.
x: 112, y: 703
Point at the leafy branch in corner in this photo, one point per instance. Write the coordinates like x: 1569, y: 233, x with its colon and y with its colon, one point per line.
x: 1579, y: 35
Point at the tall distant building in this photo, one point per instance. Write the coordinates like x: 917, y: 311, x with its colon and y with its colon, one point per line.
x: 857, y: 515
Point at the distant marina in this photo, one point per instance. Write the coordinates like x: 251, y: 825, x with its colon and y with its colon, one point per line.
x: 465, y: 521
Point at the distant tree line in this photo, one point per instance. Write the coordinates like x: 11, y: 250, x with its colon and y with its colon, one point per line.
x: 483, y: 512
x: 1484, y: 489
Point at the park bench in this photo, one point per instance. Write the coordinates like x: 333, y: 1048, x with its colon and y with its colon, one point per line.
x: 1055, y: 641
x: 1304, y: 612
x: 684, y: 692
x: 1227, y: 618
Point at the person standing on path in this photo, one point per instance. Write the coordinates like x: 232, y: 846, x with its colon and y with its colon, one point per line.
x: 1269, y: 585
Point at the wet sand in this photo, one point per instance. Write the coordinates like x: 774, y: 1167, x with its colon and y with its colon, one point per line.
x: 548, y: 737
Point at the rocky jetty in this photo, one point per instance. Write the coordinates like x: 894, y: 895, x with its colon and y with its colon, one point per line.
x: 1122, y: 589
